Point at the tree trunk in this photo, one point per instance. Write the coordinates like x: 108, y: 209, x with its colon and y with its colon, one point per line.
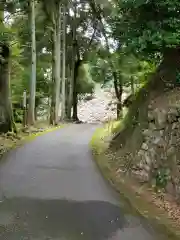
x: 63, y: 94
x: 49, y: 107
x: 53, y: 93
x: 132, y: 85
x: 75, y: 65
x: 166, y: 75
x: 35, y: 113
x: 118, y: 86
x: 67, y: 97
x: 163, y: 79
x: 119, y: 110
x: 6, y: 113
x: 56, y: 63
x: 75, y: 92
x: 69, y: 93
x: 31, y: 118
x: 118, y: 91
x: 117, y: 80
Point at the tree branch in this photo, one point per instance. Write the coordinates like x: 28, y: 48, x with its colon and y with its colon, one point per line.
x: 97, y: 11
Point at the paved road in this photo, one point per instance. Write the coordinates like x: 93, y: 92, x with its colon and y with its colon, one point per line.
x: 51, y: 189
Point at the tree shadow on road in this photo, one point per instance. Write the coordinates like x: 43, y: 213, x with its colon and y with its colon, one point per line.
x: 58, y: 219
x: 23, y: 218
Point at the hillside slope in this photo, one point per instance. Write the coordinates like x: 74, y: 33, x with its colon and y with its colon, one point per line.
x: 144, y: 166
x: 153, y: 152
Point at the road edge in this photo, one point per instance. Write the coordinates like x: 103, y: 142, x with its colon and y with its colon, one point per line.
x: 28, y: 137
x: 145, y: 208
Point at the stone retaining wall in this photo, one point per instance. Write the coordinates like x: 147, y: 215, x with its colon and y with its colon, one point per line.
x: 158, y: 159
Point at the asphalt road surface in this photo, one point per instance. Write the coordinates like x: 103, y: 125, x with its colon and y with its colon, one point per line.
x: 51, y: 189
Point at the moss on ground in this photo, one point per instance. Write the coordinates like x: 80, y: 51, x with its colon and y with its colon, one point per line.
x: 137, y: 196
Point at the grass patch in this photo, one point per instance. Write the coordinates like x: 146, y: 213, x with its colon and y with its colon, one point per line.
x: 138, y: 196
x: 104, y: 133
x: 10, y: 140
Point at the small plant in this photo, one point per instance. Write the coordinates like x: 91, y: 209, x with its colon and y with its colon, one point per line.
x: 162, y: 176
x: 178, y: 77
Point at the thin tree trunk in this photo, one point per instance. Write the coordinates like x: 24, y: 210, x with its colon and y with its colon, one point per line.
x: 9, y: 101
x: 116, y: 77
x: 68, y: 113
x: 53, y: 93
x: 48, y: 111
x: 118, y: 91
x: 1, y: 14
x: 70, y: 92
x: 118, y: 86
x: 75, y: 62
x: 31, y: 118
x: 132, y: 86
x: 57, y: 62
x: 75, y: 98
x: 119, y: 110
x: 63, y: 94
x: 35, y: 113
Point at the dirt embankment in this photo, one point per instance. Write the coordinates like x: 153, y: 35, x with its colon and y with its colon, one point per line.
x: 145, y: 165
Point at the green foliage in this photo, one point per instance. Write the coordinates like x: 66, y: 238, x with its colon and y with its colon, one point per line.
x: 178, y: 77
x: 162, y: 177
x: 21, y: 54
x: 133, y: 69
x: 147, y: 26
x: 84, y: 83
x: 18, y: 115
x: 130, y: 24
x: 128, y: 67
x: 101, y: 71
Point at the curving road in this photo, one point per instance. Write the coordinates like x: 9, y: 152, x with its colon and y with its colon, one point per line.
x: 51, y: 189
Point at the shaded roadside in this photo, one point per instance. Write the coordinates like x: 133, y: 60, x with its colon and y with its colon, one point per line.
x: 52, y: 189
x: 11, y: 140
x: 59, y: 219
x: 141, y: 199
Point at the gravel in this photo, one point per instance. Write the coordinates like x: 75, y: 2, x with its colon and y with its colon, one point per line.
x: 101, y: 108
